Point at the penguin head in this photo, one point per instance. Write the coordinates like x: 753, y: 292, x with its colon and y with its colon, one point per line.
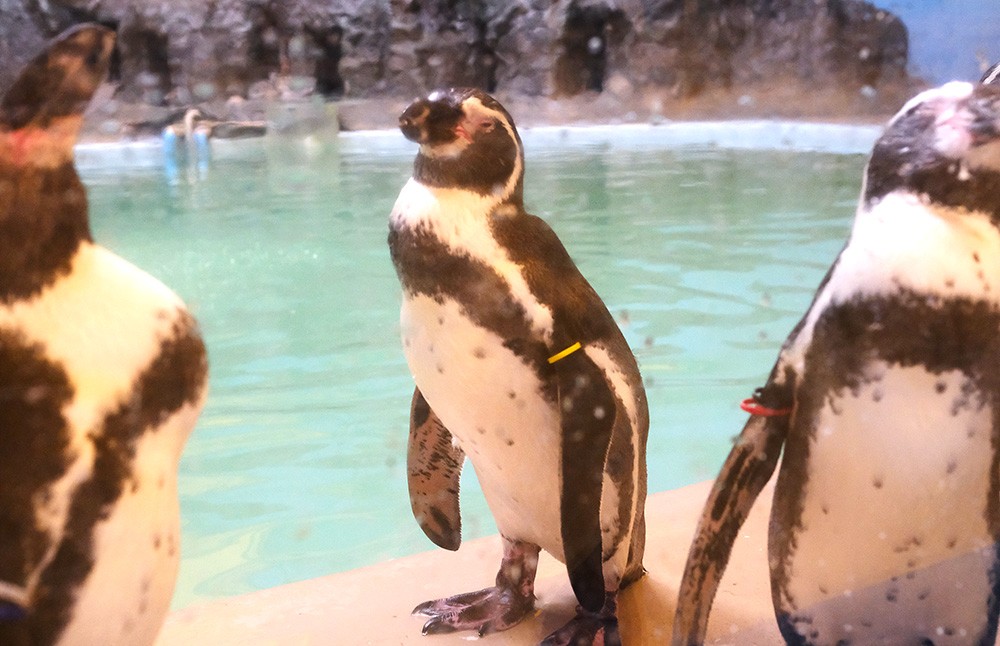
x: 41, y: 113
x: 467, y: 140
x: 943, y: 146
x: 61, y: 80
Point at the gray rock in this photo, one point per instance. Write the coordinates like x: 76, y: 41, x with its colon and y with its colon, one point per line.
x: 176, y: 52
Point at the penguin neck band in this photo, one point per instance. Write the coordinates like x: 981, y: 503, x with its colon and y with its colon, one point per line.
x: 755, y: 408
x: 565, y: 353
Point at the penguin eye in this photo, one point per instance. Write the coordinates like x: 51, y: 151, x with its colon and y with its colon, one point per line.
x: 488, y: 125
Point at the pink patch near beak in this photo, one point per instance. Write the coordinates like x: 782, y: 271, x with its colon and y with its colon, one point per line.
x: 461, y: 132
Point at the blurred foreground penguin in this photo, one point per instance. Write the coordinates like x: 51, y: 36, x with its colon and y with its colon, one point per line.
x: 520, y: 367
x: 886, y: 399
x: 102, y: 375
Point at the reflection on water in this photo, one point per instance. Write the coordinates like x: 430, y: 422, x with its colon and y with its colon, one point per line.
x: 706, y: 257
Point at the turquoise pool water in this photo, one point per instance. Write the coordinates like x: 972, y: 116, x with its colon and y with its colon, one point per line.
x: 706, y: 255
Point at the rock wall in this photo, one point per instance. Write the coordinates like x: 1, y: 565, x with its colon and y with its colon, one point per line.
x: 178, y: 52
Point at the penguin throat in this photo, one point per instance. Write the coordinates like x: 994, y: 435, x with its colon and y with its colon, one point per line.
x: 962, y: 187
x: 48, y: 147
x: 500, y: 178
x: 949, y: 183
x: 43, y: 221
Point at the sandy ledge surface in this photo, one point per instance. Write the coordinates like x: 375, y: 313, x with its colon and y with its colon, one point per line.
x: 371, y: 605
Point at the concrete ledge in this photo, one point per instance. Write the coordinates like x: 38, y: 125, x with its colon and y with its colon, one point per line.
x: 371, y: 605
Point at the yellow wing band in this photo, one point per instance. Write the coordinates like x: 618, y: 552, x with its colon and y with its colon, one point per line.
x: 565, y: 353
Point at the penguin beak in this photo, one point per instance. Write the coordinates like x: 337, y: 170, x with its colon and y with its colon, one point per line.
x: 60, y: 81
x: 434, y: 121
x: 411, y: 122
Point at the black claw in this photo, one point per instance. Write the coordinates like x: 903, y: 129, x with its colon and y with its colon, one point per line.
x: 436, y: 626
x: 611, y: 636
x: 584, y: 630
x: 484, y: 611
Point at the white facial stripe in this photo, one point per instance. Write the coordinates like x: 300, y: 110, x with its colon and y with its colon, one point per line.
x: 992, y: 76
x: 954, y: 91
x: 457, y: 218
x: 474, y: 108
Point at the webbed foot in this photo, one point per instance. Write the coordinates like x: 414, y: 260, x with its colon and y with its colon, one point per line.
x: 486, y: 611
x: 589, y: 628
x: 492, y: 609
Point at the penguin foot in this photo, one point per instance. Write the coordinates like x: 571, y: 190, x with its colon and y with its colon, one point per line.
x: 589, y: 628
x: 492, y: 609
x: 586, y: 630
x: 485, y: 611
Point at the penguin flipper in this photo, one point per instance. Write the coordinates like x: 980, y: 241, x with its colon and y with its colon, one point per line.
x: 746, y: 470
x: 587, y: 407
x: 433, y: 468
x: 53, y: 89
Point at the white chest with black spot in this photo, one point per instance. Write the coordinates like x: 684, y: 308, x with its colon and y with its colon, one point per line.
x: 892, y: 542
x: 103, y: 324
x: 492, y: 404
x: 487, y: 397
x: 893, y: 522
